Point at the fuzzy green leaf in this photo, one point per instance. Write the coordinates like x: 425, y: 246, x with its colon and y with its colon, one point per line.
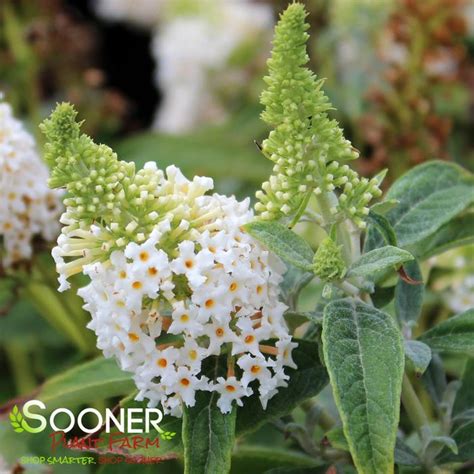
x: 408, y: 296
x: 465, y: 397
x: 363, y: 350
x: 375, y: 261
x: 208, y: 436
x: 95, y: 380
x: 380, y: 230
x: 463, y: 436
x: 305, y: 382
x: 453, y: 335
x: 404, y: 455
x: 430, y: 195
x: 283, y: 242
x: 382, y: 296
x: 417, y: 356
x: 455, y: 233
x: 434, y: 379
x: 384, y: 206
x: 294, y: 280
x: 260, y: 459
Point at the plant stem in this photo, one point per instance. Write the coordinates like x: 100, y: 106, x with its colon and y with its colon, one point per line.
x: 20, y: 366
x: 325, y: 420
x: 348, y: 288
x: 414, y: 409
x: 49, y: 306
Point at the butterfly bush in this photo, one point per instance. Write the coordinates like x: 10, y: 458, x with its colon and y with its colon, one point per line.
x: 308, y: 149
x: 194, y: 45
x: 193, y: 52
x: 174, y: 279
x: 27, y: 207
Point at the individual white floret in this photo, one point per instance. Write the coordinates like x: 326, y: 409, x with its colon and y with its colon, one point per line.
x: 230, y: 389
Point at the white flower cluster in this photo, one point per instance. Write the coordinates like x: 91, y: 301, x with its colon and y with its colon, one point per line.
x: 193, y: 51
x: 460, y: 296
x: 27, y: 206
x: 192, y: 45
x: 193, y: 289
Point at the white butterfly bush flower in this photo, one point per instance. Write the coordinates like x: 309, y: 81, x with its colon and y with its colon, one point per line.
x: 192, y: 45
x: 183, y: 284
x: 216, y: 291
x: 191, y: 51
x: 28, y: 208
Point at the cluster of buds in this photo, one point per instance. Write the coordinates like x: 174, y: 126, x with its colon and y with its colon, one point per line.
x: 426, y: 70
x: 308, y: 149
x: 174, y: 280
x: 27, y: 207
x: 328, y: 262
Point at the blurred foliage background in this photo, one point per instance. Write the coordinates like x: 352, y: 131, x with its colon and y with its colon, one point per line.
x: 178, y: 82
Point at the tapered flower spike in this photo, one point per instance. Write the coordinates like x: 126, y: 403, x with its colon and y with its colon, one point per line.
x: 98, y: 184
x: 308, y: 149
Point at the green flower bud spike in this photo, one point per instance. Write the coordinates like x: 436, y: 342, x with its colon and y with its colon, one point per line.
x: 108, y: 202
x: 328, y: 262
x: 307, y: 148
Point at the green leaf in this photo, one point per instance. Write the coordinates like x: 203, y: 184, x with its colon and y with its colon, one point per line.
x: 456, y: 334
x: 256, y: 459
x: 363, y: 350
x: 417, y: 356
x: 295, y: 319
x: 455, y: 233
x: 404, y: 455
x: 95, y: 380
x: 380, y: 230
x: 434, y: 379
x: 294, y: 280
x: 337, y: 438
x: 465, y: 397
x: 375, y: 261
x: 208, y: 436
x: 305, y: 382
x: 430, y: 195
x: 382, y: 296
x: 437, y: 443
x: 463, y: 436
x: 409, y: 297
x: 384, y: 206
x: 282, y: 241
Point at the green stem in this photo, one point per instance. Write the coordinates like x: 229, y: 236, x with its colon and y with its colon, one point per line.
x: 45, y: 272
x: 20, y: 366
x: 326, y: 201
x: 348, y: 288
x: 414, y: 409
x: 325, y: 420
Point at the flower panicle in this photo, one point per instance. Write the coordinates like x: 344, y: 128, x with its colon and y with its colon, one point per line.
x: 96, y: 181
x: 308, y: 149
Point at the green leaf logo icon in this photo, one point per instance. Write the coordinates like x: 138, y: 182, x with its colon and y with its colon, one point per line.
x: 16, y: 419
x: 168, y: 435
